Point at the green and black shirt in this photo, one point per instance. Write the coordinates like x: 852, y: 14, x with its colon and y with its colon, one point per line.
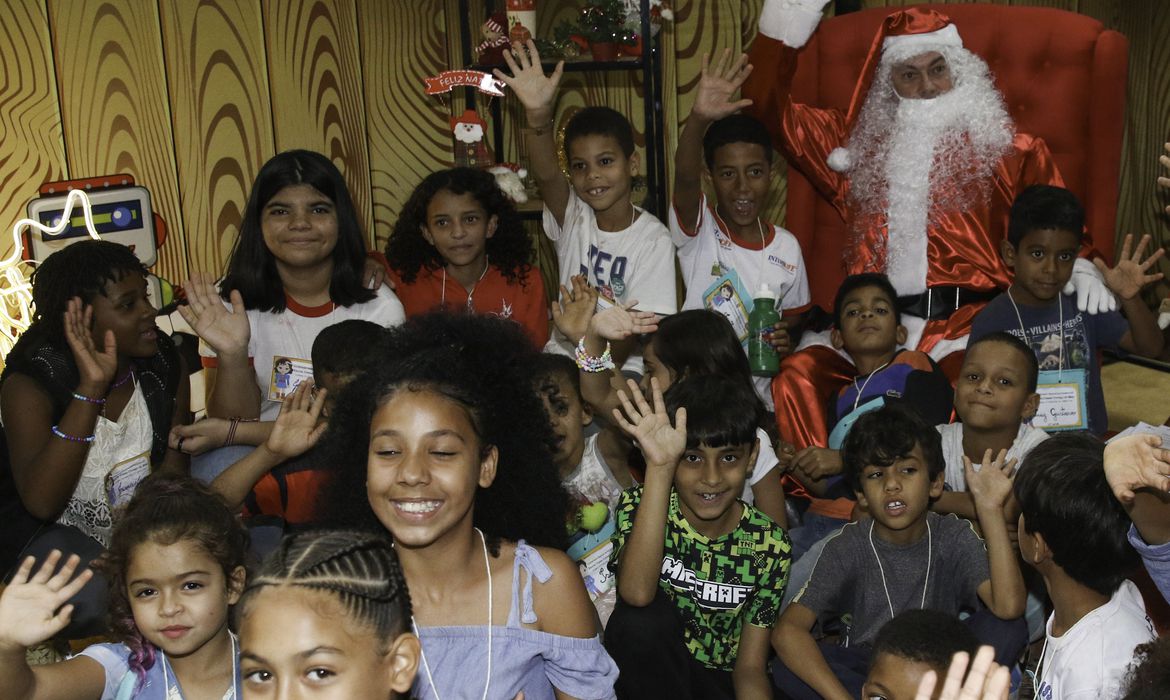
x: 717, y: 584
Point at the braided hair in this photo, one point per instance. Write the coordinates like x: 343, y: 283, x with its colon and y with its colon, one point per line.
x: 165, y: 511
x: 360, y: 568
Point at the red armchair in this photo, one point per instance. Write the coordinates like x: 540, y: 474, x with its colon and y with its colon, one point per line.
x: 1063, y: 76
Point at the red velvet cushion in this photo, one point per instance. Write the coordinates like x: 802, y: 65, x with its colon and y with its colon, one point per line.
x: 1063, y: 76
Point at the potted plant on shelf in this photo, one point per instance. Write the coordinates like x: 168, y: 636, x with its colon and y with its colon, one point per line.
x: 604, y: 25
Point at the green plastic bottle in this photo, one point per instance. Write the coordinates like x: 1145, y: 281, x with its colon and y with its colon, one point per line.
x: 761, y: 356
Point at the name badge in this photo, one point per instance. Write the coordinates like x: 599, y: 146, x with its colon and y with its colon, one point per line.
x: 728, y: 297
x: 122, y: 481
x: 1062, y: 400
x: 287, y: 374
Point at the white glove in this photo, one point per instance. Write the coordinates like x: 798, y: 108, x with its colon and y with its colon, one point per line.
x: 791, y: 21
x: 1087, y: 283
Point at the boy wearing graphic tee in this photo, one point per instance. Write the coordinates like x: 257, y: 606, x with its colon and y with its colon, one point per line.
x: 728, y: 237
x: 625, y: 252
x: 700, y: 574
x: 1045, y: 232
x: 902, y: 557
x: 1073, y: 532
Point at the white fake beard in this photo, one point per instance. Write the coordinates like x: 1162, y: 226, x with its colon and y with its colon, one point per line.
x: 919, y: 127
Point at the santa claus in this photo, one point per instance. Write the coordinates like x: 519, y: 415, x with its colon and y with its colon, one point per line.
x: 923, y: 168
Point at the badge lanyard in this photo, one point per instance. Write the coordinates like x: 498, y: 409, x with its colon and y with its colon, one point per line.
x: 1024, y: 331
x: 725, y: 229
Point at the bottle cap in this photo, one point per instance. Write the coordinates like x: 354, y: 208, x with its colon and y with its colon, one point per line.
x: 764, y: 292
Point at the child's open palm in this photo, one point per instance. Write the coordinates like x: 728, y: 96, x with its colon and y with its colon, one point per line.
x: 95, y: 367
x: 298, y: 428
x: 34, y: 607
x: 1128, y: 276
x: 1134, y: 462
x: 227, y: 332
x: 662, y: 444
x: 718, y: 84
x: 535, y: 90
x: 621, y: 321
x: 573, y: 311
x: 991, y: 484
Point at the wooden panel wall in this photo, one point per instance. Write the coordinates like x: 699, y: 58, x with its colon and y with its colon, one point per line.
x: 115, y: 110
x: 216, y: 71
x: 192, y: 96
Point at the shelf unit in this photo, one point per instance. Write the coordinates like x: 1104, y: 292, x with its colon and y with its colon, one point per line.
x: 650, y: 65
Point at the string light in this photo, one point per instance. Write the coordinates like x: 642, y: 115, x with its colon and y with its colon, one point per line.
x: 16, y: 301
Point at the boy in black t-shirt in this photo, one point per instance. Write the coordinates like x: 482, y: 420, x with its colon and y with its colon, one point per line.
x: 902, y: 557
x: 700, y: 574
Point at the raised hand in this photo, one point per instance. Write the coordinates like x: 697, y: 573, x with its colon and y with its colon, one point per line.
x: 95, y: 367
x: 991, y: 484
x: 34, y: 607
x: 662, y: 444
x: 573, y: 311
x: 620, y: 321
x: 1134, y: 462
x: 986, y: 681
x: 298, y: 427
x: 226, y: 331
x: 1128, y: 276
x: 717, y: 85
x: 536, y: 91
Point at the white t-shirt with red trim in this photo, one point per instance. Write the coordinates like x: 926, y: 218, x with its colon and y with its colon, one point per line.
x: 712, y: 247
x: 290, y: 334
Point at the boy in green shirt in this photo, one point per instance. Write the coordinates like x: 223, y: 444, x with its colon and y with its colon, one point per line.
x: 700, y: 574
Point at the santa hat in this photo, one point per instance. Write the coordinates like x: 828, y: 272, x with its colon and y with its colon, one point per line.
x: 469, y: 116
x: 903, y: 34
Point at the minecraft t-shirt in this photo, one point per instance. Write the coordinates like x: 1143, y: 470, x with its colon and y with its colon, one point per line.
x: 716, y: 584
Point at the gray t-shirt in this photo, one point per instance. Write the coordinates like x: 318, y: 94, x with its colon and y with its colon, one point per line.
x: 846, y: 579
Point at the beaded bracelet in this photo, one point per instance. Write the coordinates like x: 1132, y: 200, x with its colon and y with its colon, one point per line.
x: 591, y: 364
x: 71, y: 438
x: 87, y: 399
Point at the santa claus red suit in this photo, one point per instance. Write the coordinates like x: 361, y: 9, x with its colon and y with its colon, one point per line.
x: 923, y: 177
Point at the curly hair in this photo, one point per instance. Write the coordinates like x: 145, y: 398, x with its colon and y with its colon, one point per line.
x: 360, y: 568
x: 509, y: 249
x: 251, y: 269
x: 1148, y: 677
x: 79, y: 270
x: 165, y: 511
x: 481, y: 364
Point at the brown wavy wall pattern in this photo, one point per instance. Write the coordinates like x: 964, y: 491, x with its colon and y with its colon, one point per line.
x: 409, y: 137
x: 316, y: 86
x: 114, y: 104
x: 217, y: 73
x: 31, y: 146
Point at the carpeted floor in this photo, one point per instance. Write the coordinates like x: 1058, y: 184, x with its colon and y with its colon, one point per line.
x: 1135, y: 393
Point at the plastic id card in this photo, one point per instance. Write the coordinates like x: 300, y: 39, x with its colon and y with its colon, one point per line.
x: 122, y: 481
x: 727, y: 296
x: 1062, y: 400
x: 287, y: 374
